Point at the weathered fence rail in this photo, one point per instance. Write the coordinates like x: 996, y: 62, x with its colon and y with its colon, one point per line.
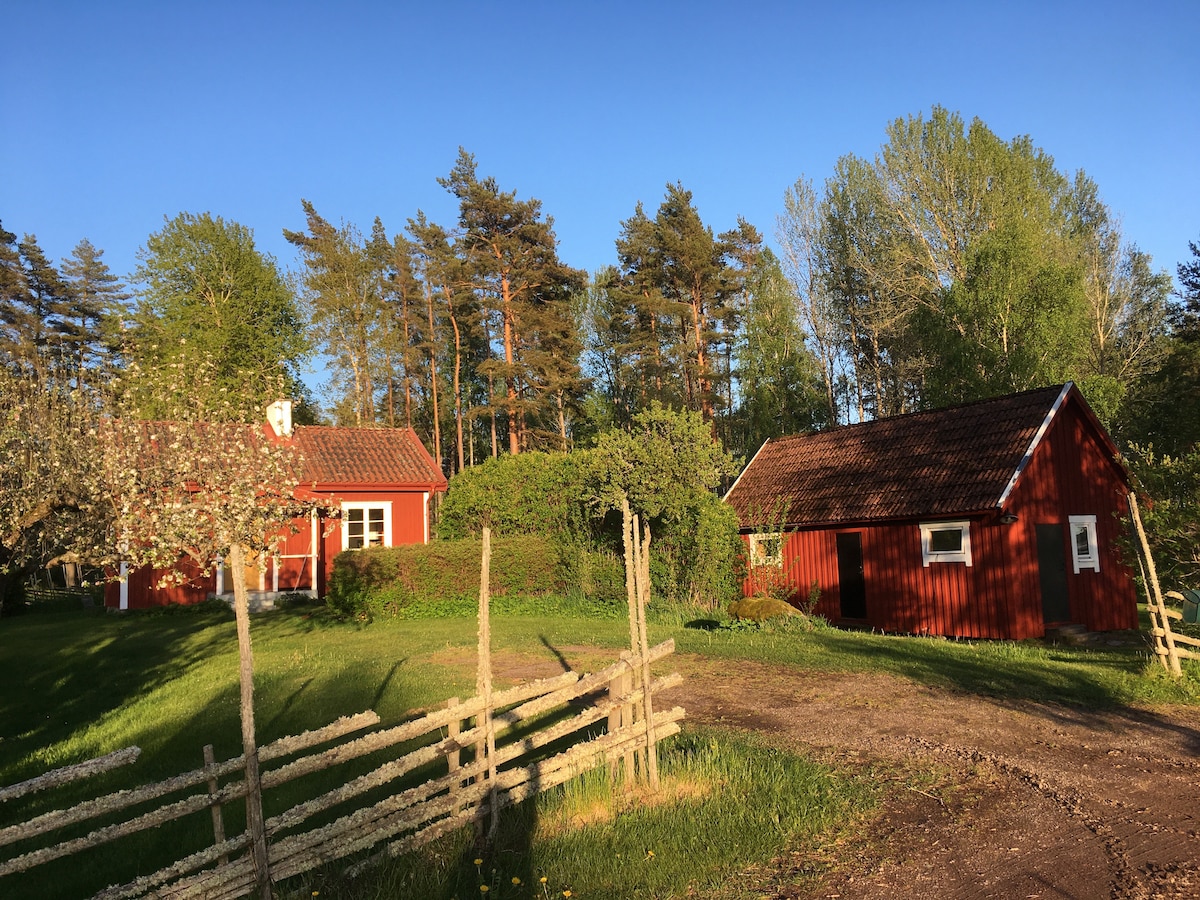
x: 598, y: 717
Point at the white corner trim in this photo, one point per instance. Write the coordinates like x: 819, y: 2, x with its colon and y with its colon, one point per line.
x: 746, y: 469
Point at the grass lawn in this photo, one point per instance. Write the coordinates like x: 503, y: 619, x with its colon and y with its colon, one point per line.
x: 82, y: 684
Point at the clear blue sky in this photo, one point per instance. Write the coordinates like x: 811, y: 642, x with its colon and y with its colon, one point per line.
x: 116, y: 114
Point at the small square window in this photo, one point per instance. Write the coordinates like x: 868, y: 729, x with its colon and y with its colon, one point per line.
x: 1085, y: 552
x: 766, y: 550
x: 366, y: 525
x: 943, y: 542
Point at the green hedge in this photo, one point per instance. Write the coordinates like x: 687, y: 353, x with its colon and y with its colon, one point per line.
x: 388, y: 580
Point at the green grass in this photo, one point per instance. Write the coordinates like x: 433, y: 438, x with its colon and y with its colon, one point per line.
x: 85, y: 683
x: 727, y: 802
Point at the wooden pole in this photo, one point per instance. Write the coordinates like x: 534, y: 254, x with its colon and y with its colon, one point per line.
x: 1160, y: 607
x: 454, y: 757
x: 483, y: 675
x: 210, y: 766
x: 254, y: 810
x: 643, y: 554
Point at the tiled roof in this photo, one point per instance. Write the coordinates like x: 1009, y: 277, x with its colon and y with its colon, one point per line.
x: 365, y: 456
x: 939, y: 463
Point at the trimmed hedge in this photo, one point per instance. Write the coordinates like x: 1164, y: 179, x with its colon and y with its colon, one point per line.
x: 386, y: 580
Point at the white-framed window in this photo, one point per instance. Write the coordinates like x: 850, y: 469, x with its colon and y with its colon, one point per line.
x: 943, y: 542
x: 1084, y: 551
x: 766, y: 550
x: 367, y: 524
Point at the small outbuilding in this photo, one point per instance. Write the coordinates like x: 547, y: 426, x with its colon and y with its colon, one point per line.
x: 994, y: 519
x: 381, y: 484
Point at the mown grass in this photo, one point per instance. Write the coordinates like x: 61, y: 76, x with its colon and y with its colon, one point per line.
x: 82, y: 684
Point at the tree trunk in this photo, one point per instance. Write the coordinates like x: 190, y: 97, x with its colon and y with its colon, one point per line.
x: 254, y: 811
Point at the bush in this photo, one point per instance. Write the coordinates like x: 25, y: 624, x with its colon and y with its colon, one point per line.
x: 386, y: 580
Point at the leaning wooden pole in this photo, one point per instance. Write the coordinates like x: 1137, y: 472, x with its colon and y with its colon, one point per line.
x: 255, y: 825
x: 1160, y: 607
x: 483, y: 674
x: 643, y: 580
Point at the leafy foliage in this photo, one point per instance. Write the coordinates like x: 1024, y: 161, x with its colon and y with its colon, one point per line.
x: 389, y: 580
x: 216, y: 318
x: 52, y: 502
x: 1172, y: 518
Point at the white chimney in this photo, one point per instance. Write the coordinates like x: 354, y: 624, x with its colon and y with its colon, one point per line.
x: 279, y: 417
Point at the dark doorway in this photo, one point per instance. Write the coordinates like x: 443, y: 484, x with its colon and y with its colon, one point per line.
x: 1052, y: 572
x: 853, y: 586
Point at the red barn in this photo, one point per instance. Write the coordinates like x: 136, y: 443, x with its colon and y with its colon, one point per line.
x: 382, y: 482
x: 995, y: 519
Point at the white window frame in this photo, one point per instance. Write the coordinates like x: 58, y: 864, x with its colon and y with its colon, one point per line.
x: 759, y: 558
x: 365, y: 505
x: 929, y: 555
x: 1084, y: 525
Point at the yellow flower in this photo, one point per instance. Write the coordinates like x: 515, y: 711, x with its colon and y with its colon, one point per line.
x: 479, y: 862
x: 566, y: 893
x: 542, y: 879
x: 483, y: 889
x: 516, y: 880
x: 649, y: 854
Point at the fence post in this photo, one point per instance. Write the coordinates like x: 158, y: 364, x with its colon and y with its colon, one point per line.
x: 454, y: 757
x: 218, y: 820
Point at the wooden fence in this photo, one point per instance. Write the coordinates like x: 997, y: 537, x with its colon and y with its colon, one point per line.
x: 543, y: 733
x: 1165, y: 641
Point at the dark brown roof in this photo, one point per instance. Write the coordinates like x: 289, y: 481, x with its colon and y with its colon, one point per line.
x: 366, y: 456
x: 945, y: 462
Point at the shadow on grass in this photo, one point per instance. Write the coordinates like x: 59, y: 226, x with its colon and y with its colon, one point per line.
x: 64, y: 672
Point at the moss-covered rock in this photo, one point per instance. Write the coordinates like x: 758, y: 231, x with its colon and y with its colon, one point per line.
x: 759, y: 609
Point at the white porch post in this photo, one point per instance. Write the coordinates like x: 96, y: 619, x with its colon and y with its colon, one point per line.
x: 124, y: 592
x: 425, y: 507
x: 314, y: 560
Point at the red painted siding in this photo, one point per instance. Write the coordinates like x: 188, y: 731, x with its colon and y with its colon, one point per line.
x: 999, y: 595
x: 409, y: 524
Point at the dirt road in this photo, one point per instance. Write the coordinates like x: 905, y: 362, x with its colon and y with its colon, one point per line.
x: 1000, y: 799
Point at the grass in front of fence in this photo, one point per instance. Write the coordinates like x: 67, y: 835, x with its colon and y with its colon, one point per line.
x: 728, y: 802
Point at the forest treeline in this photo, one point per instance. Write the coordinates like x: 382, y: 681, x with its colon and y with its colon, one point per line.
x: 953, y: 265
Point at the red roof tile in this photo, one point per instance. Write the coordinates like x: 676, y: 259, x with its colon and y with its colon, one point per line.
x: 366, y: 456
x: 940, y: 463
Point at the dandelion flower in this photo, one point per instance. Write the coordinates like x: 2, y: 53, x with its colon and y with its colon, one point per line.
x: 479, y: 862
x: 483, y: 889
x: 542, y: 879
x: 516, y: 880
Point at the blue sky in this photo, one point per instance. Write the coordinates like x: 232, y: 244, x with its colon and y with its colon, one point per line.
x: 117, y: 114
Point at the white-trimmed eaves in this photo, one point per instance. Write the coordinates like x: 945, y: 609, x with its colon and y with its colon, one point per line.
x: 745, y: 470
x: 1033, y: 444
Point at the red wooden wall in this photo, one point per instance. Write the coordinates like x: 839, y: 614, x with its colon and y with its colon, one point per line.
x: 409, y: 524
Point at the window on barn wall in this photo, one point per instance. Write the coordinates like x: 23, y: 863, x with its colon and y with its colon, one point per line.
x: 1084, y: 550
x: 945, y: 542
x: 366, y: 525
x: 766, y: 550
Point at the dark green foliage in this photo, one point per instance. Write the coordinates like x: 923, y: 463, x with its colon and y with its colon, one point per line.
x: 1172, y: 517
x: 531, y: 493
x: 387, y: 580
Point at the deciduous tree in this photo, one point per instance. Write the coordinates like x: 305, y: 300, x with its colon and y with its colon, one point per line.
x: 211, y: 301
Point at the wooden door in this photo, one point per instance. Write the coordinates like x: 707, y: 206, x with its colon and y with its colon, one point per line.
x: 852, y: 586
x: 1052, y: 573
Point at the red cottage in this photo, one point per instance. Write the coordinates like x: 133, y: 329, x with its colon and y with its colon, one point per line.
x: 383, y: 480
x: 996, y: 519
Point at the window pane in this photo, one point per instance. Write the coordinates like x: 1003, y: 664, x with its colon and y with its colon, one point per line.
x: 948, y: 540
x: 1082, y: 548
